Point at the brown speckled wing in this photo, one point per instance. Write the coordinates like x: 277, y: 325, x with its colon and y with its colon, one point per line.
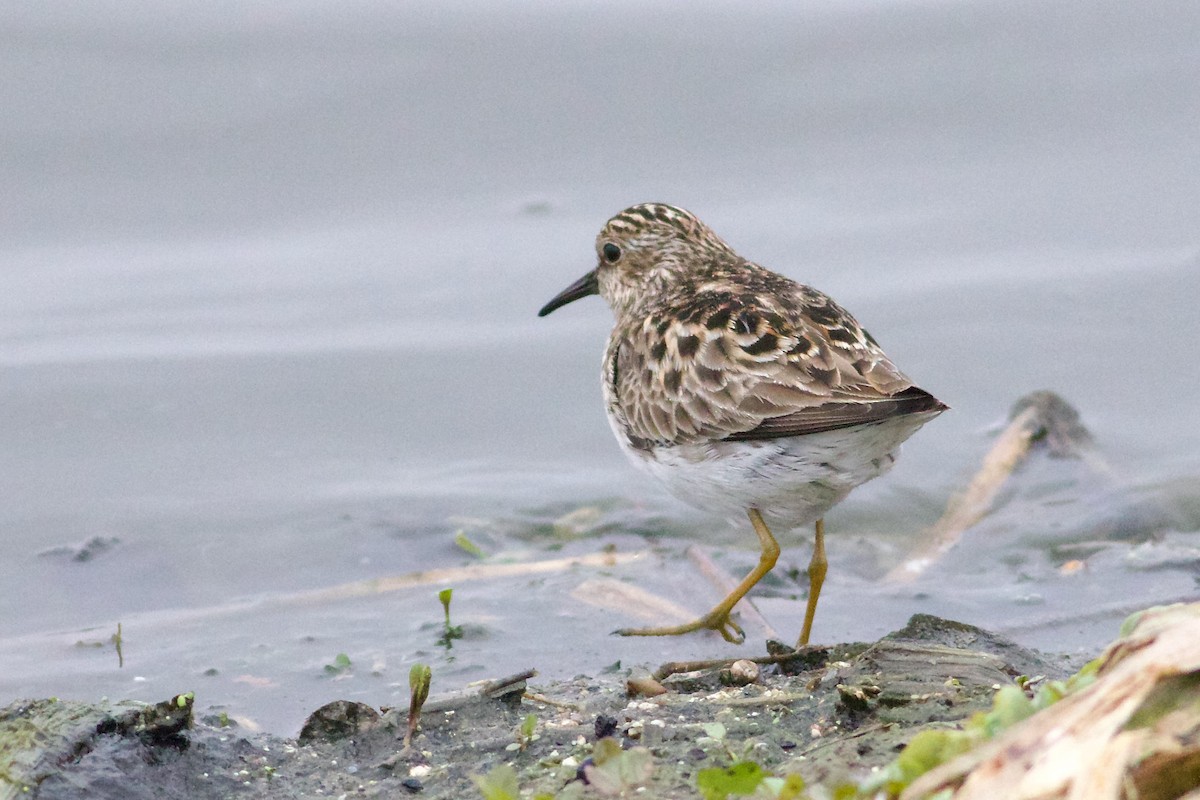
x: 759, y: 357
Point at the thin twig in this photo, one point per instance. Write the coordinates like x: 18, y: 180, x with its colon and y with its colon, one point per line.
x: 535, y: 697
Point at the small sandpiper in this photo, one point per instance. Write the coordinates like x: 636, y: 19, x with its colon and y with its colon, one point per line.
x: 742, y: 390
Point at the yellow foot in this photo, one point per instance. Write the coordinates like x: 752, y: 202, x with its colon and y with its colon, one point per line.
x: 718, y: 621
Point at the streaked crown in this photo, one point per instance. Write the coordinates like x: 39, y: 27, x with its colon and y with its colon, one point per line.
x: 647, y: 247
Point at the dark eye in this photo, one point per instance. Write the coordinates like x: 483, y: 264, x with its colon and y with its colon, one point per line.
x: 611, y: 252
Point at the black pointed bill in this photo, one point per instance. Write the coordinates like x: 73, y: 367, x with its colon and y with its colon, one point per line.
x: 580, y: 288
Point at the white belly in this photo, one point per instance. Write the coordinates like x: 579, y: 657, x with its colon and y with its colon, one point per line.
x: 792, y: 481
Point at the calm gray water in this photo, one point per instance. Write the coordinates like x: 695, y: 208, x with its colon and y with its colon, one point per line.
x: 268, y: 277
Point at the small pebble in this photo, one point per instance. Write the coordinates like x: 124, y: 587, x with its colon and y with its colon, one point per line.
x: 742, y: 672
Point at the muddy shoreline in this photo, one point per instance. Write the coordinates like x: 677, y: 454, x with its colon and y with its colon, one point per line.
x: 832, y: 714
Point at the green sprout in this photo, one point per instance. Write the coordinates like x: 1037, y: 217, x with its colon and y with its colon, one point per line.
x: 118, y: 640
x: 526, y: 733
x: 419, y: 678
x: 341, y: 663
x: 449, y: 632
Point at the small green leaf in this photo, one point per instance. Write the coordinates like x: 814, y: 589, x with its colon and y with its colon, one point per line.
x: 467, y: 546
x: 605, y: 749
x: 742, y: 778
x: 928, y: 749
x: 1048, y: 694
x: 792, y: 789
x: 1131, y: 622
x: 615, y: 770
x: 714, y: 730
x: 341, y: 663
x: 499, y: 784
x: 1009, y: 707
x: 845, y: 791
x: 528, y: 725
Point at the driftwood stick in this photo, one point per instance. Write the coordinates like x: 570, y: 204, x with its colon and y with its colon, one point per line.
x: 614, y: 595
x: 470, y: 572
x: 1040, y: 417
x: 483, y: 691
x: 1129, y: 734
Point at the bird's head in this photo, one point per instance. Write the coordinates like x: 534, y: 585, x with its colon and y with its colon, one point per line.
x: 641, y: 251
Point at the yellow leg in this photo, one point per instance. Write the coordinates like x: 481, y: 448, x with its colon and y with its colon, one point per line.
x: 718, y: 619
x: 817, y: 568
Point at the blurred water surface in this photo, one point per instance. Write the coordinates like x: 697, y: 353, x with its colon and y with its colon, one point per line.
x: 268, y: 276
